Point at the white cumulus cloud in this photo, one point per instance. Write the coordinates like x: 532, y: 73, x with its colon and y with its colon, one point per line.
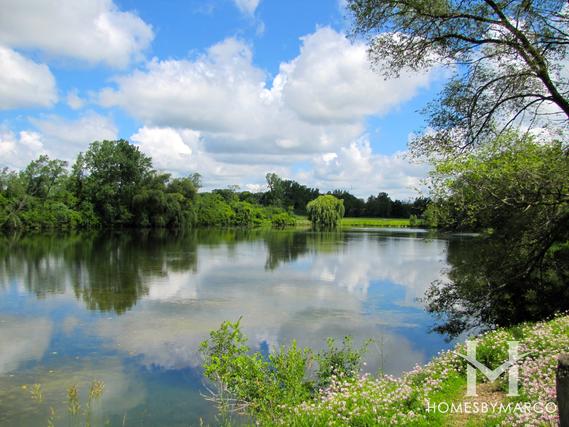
x: 221, y: 115
x: 178, y: 155
x: 182, y: 152
x: 17, y: 150
x: 357, y: 169
x: 65, y: 138
x: 247, y: 6
x: 23, y: 82
x: 55, y: 136
x: 317, y: 103
x: 332, y: 81
x: 95, y: 31
x: 74, y: 101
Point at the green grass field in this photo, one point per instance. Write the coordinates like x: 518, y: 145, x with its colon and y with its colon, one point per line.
x: 376, y: 222
x: 302, y: 221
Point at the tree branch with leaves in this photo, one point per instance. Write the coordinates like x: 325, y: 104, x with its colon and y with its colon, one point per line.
x: 507, y: 56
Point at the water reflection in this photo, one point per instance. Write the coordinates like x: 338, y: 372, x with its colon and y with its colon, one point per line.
x: 143, y: 301
x: 22, y: 340
x: 107, y: 271
x: 491, y: 282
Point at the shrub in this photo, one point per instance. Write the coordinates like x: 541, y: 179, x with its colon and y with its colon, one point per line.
x: 244, y: 214
x: 340, y: 362
x: 413, y: 220
x: 282, y: 220
x: 249, y: 382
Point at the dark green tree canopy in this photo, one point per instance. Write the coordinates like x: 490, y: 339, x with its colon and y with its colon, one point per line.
x: 113, y: 173
x: 507, y: 55
x: 516, y: 192
x: 41, y: 176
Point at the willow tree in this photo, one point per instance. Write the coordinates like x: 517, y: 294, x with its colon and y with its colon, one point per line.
x: 325, y: 212
x: 508, y: 60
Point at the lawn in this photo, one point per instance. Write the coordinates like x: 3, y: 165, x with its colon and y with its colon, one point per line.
x: 302, y: 221
x: 376, y: 222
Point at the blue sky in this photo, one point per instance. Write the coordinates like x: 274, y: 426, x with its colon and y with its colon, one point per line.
x: 231, y: 89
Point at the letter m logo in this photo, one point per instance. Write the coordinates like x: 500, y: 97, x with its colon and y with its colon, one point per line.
x: 509, y: 365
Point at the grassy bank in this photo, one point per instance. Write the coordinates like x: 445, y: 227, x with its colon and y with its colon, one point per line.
x: 302, y: 221
x: 376, y: 222
x: 277, y: 392
x: 386, y: 400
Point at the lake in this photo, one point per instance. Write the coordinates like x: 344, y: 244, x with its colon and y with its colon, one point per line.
x: 130, y: 309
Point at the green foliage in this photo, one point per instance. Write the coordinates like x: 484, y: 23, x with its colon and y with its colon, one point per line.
x: 375, y: 222
x: 413, y: 221
x: 183, y: 186
x: 221, y: 349
x: 506, y: 56
x: 325, y: 212
x: 77, y: 414
x: 112, y: 173
x: 251, y: 383
x: 245, y: 214
x: 379, y: 206
x: 296, y: 196
x: 43, y: 176
x: 213, y: 210
x: 113, y: 184
x: 516, y: 191
x: 385, y: 400
x: 275, y: 194
x: 354, y: 207
x: 342, y: 362
x: 282, y: 220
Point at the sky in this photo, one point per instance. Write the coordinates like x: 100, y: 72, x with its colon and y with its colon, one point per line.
x: 231, y: 89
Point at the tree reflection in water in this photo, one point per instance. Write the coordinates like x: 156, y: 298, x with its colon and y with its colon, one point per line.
x: 108, y: 271
x: 488, y: 284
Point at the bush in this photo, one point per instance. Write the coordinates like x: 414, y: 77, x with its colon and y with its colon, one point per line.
x: 413, y: 220
x: 340, y: 362
x: 213, y: 210
x: 282, y: 220
x: 260, y: 386
x: 244, y: 215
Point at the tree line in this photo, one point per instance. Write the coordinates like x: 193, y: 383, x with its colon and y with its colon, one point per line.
x: 295, y: 197
x: 114, y: 184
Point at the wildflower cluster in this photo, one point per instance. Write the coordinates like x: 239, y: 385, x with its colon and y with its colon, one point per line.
x: 544, y: 342
x: 386, y: 400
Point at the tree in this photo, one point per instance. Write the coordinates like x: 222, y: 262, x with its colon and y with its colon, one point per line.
x: 276, y: 189
x: 113, y: 172
x: 354, y: 206
x: 516, y: 192
x: 325, y: 212
x: 400, y: 209
x: 43, y: 175
x: 196, y: 179
x: 296, y: 195
x: 185, y: 187
x: 379, y: 206
x: 13, y: 199
x: 507, y: 55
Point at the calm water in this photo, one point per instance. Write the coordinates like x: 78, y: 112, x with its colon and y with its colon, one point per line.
x: 130, y: 309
